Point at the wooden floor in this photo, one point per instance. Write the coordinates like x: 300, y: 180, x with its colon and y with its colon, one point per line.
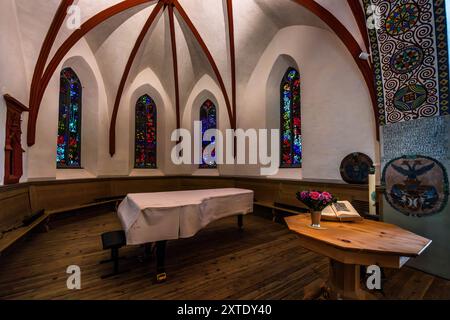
x: 265, y: 261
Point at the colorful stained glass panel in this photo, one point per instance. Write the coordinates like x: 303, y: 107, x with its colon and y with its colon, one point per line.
x: 68, y: 154
x: 145, y: 134
x: 208, y: 117
x: 290, y: 122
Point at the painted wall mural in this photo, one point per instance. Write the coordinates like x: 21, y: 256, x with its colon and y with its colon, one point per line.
x: 410, y: 58
x: 355, y: 168
x: 416, y: 185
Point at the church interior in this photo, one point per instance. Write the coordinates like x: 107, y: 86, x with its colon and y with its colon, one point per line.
x: 224, y: 150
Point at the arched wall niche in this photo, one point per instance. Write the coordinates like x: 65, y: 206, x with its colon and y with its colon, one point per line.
x: 146, y: 82
x: 273, y: 107
x: 147, y: 89
x: 281, y: 64
x: 206, y: 88
x: 333, y: 125
x: 279, y: 68
x: 42, y: 163
x: 89, y: 114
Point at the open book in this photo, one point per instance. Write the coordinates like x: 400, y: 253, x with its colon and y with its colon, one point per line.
x: 341, y: 211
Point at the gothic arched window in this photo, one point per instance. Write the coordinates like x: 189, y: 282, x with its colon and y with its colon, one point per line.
x: 208, y: 118
x: 290, y: 121
x: 145, y: 133
x: 68, y: 154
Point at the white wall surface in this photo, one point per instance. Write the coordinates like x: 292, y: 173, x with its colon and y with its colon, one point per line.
x: 336, y: 111
x: 13, y: 78
x: 337, y: 114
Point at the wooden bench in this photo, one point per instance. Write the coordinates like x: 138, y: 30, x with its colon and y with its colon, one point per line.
x: 278, y: 207
x: 97, y: 202
x: 280, y: 204
x: 8, y: 239
x: 282, y: 199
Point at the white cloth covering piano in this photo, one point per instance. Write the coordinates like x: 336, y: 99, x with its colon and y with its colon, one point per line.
x: 152, y: 217
x: 161, y: 216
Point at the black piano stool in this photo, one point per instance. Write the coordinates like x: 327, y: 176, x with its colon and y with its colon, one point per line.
x: 113, y: 241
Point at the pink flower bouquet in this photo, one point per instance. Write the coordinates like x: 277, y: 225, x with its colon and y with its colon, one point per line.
x: 315, y: 200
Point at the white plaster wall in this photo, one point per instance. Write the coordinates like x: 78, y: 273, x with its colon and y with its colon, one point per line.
x: 95, y: 117
x: 13, y: 79
x: 336, y: 108
x: 341, y: 10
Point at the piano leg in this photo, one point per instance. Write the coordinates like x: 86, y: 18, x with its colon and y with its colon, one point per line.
x: 148, y: 251
x: 240, y: 221
x: 161, y: 275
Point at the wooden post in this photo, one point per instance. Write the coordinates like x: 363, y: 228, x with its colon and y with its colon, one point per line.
x: 345, y: 281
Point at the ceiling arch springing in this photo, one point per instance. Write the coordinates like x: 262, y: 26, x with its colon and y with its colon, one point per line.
x: 273, y: 14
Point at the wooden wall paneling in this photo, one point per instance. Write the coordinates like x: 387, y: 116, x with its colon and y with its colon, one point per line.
x: 265, y: 190
x: 121, y: 187
x: 287, y: 192
x: 20, y: 200
x: 67, y: 194
x: 195, y: 183
x: 14, y: 207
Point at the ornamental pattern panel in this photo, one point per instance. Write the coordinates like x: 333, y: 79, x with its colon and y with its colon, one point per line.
x: 410, y: 58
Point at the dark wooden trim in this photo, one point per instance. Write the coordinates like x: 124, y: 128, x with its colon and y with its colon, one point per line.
x: 12, y: 102
x: 61, y: 53
x: 358, y: 14
x: 210, y: 58
x: 352, y: 46
x: 13, y: 168
x: 126, y: 72
x: 232, y: 58
x: 316, y: 182
x: 175, y: 64
x: 47, y: 45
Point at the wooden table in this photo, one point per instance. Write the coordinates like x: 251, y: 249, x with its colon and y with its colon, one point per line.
x: 350, y: 245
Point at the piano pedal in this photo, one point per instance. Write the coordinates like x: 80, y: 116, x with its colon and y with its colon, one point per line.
x: 161, y: 277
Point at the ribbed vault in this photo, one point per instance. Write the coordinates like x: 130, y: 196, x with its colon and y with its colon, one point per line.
x: 221, y: 38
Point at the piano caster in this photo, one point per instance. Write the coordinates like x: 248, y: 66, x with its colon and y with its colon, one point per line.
x: 161, y: 277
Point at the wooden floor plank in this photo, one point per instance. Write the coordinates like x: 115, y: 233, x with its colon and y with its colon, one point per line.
x: 265, y: 261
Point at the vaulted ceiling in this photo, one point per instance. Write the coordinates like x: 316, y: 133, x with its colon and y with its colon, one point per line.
x: 255, y: 24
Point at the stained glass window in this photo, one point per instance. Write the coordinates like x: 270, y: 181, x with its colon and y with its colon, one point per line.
x: 290, y: 123
x: 208, y: 117
x: 68, y: 154
x: 145, y: 133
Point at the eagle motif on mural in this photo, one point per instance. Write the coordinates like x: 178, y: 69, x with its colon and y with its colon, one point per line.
x: 416, y: 186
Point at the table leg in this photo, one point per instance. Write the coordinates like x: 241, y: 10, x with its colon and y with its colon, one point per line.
x: 240, y: 219
x: 161, y: 275
x: 345, y: 282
